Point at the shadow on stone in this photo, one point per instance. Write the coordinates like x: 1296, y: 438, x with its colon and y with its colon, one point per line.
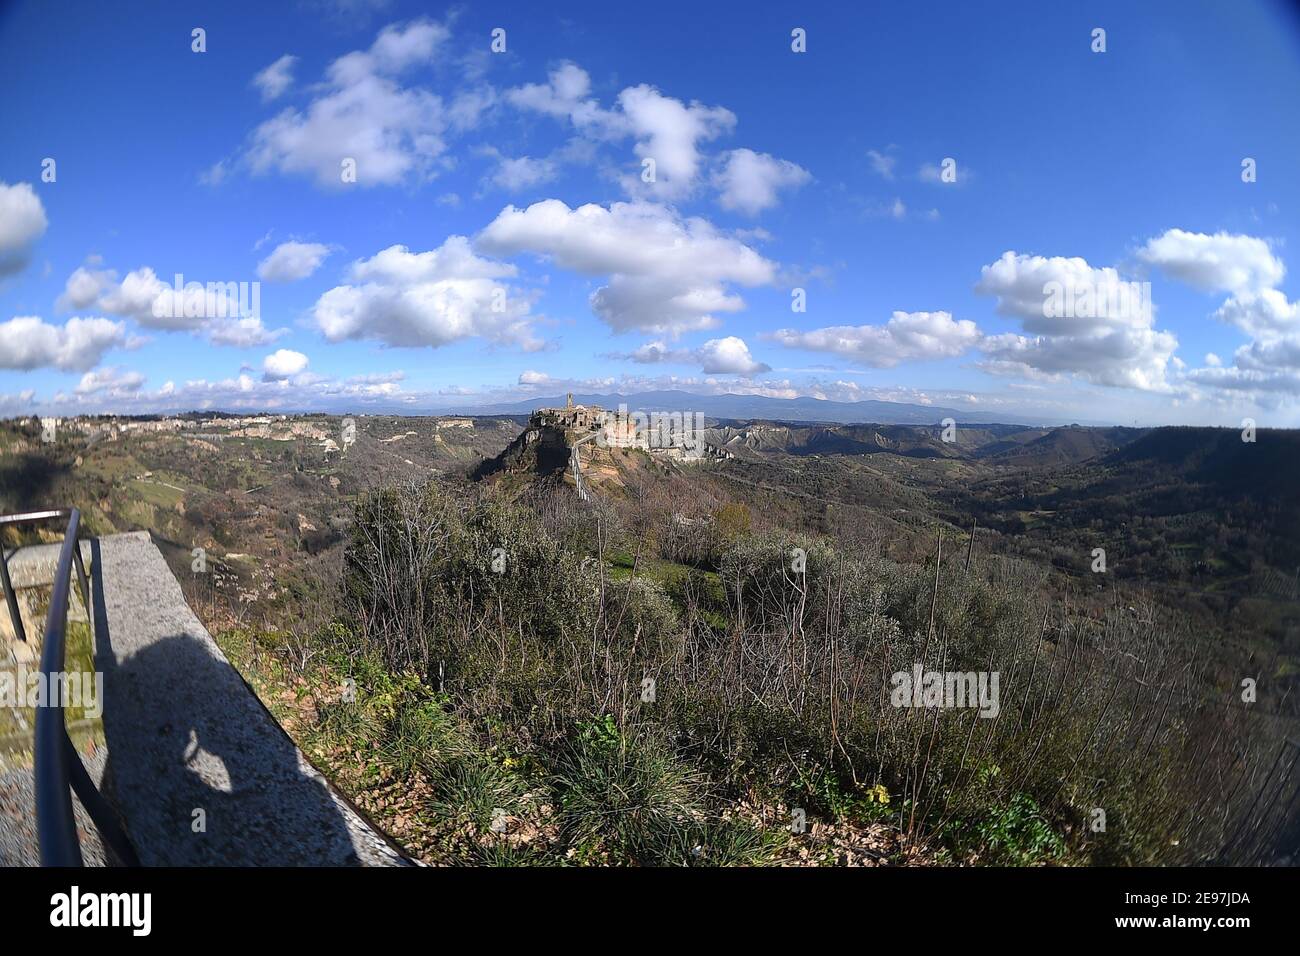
x: 202, y: 774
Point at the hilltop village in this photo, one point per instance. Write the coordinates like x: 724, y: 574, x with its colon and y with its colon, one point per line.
x: 672, y: 435
x: 327, y: 433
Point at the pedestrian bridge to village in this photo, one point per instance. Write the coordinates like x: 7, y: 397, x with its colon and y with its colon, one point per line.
x: 192, y: 769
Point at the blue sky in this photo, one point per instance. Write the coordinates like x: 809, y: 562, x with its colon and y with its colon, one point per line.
x: 501, y: 238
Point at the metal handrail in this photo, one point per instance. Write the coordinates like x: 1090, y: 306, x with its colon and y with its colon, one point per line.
x: 59, y: 770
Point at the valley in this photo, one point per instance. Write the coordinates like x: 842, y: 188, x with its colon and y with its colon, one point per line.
x: 264, y: 519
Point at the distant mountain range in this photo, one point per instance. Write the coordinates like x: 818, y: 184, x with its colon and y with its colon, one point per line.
x: 745, y: 407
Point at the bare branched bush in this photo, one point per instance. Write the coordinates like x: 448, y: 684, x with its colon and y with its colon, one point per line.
x: 769, y: 663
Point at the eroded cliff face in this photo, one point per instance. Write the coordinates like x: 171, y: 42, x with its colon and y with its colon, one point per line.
x: 541, y: 450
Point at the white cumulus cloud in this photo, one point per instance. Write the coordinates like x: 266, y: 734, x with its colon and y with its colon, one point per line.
x: 906, y: 337
x: 523, y: 172
x: 363, y: 113
x: 663, y: 129
x: 411, y: 299
x: 83, y: 288
x: 1222, y: 262
x: 291, y: 261
x: 22, y: 222
x: 749, y: 182
x: 27, y: 342
x: 1267, y: 368
x: 1082, y: 320
x: 724, y: 356
x: 668, y: 132
x: 667, y: 274
x: 565, y: 95
x: 220, y: 310
x: 275, y: 80
x: 282, y: 364
x: 112, y: 380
